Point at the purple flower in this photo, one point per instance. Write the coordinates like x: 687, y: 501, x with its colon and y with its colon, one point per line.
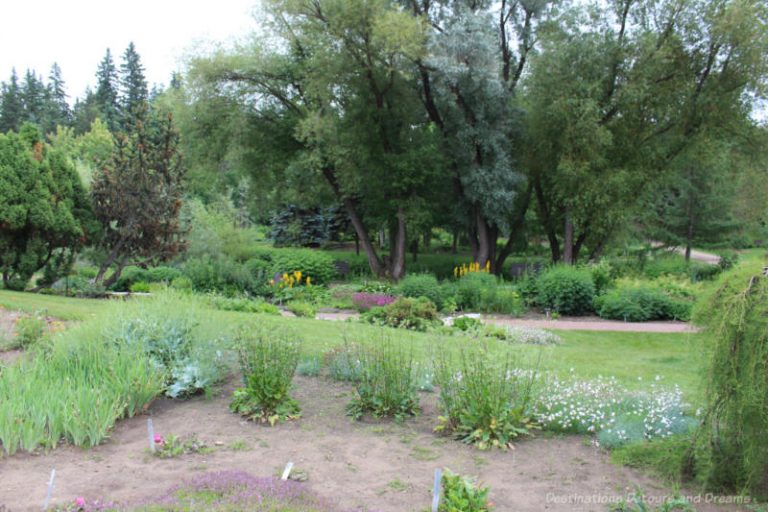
x: 365, y: 301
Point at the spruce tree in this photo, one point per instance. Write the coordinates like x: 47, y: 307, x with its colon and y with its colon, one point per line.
x: 34, y: 96
x: 12, y: 105
x: 57, y: 107
x: 133, y: 87
x: 106, y: 95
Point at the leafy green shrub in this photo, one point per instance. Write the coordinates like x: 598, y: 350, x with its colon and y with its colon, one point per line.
x: 302, y: 309
x: 140, y: 287
x: 162, y: 274
x: 641, y: 304
x: 467, y: 323
x: 421, y: 285
x: 315, y: 264
x: 387, y: 385
x: 164, y: 330
x: 29, y: 330
x: 406, y: 313
x: 566, y: 290
x: 460, y: 494
x: 698, y: 271
x: 242, y: 304
x: 485, y: 404
x: 182, y: 284
x: 602, y: 276
x: 268, y: 361
x: 377, y: 287
x: 221, y: 274
x: 472, y: 288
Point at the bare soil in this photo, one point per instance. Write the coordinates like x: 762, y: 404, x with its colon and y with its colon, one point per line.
x: 369, y: 465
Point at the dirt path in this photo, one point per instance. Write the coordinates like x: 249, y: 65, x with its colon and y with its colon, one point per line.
x: 362, y: 465
x: 585, y: 323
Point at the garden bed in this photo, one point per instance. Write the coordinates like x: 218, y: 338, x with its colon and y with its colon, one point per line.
x: 367, y: 465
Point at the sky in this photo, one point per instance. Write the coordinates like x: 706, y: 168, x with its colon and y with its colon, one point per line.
x: 76, y: 34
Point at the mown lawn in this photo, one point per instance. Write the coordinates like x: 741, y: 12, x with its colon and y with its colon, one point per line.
x: 635, y: 359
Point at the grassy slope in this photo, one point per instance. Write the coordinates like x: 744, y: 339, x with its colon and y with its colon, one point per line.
x: 634, y: 359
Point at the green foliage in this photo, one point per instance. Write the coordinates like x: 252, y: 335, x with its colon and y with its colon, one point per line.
x: 242, y: 304
x: 222, y: 274
x: 45, y: 216
x: 731, y: 452
x: 164, y: 329
x: 665, y: 457
x: 566, y: 290
x: 314, y: 264
x: 638, y: 503
x: 405, y: 313
x: 29, y: 330
x: 140, y: 287
x: 460, y: 494
x: 640, y: 304
x: 174, y: 446
x: 421, y: 285
x: 386, y: 383
x: 309, y: 367
x: 104, y: 382
x: 466, y: 323
x: 480, y: 291
x: 302, y: 309
x: 268, y: 361
x: 343, y: 365
x: 485, y: 404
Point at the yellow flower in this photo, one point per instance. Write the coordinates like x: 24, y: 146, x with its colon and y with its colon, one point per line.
x: 309, y: 281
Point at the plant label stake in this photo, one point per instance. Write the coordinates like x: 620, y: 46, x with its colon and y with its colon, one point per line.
x: 287, y: 471
x: 50, y: 489
x: 151, y: 434
x: 436, y: 489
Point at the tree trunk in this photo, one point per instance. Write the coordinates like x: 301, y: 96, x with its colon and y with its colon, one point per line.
x: 374, y: 262
x: 486, y: 241
x: 115, y: 275
x: 111, y: 258
x: 357, y: 245
x: 515, y: 229
x: 397, y: 257
x: 568, y: 239
x: 455, y: 245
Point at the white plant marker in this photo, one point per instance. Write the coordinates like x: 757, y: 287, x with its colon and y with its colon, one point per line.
x: 287, y: 471
x: 50, y: 489
x: 151, y: 434
x: 436, y: 489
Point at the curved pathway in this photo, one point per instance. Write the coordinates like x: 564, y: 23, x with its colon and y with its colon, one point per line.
x: 564, y: 323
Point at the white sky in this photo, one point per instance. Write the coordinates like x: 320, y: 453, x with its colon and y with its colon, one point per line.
x: 76, y: 34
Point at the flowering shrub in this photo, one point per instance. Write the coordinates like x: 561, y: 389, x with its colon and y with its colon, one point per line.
x: 532, y: 336
x: 471, y: 268
x: 406, y: 313
x: 365, y: 301
x: 603, y: 407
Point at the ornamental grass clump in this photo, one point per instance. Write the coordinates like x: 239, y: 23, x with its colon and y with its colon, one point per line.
x: 268, y: 361
x: 387, y: 384
x: 485, y: 403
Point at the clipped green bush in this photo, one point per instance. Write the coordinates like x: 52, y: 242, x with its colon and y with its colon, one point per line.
x: 566, y: 290
x: 406, y: 313
x: 421, y: 285
x: 472, y: 289
x: 315, y: 264
x: 221, y: 274
x: 140, y: 287
x: 641, y: 304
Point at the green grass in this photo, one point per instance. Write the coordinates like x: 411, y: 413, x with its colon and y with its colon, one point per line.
x: 64, y: 308
x: 635, y: 359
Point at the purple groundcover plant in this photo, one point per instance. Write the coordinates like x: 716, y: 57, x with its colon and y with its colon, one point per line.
x: 222, y: 491
x: 365, y: 301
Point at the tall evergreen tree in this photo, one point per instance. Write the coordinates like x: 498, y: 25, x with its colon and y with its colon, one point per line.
x: 133, y: 87
x: 33, y: 94
x: 85, y: 112
x: 106, y: 95
x: 58, y: 111
x: 12, y: 105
